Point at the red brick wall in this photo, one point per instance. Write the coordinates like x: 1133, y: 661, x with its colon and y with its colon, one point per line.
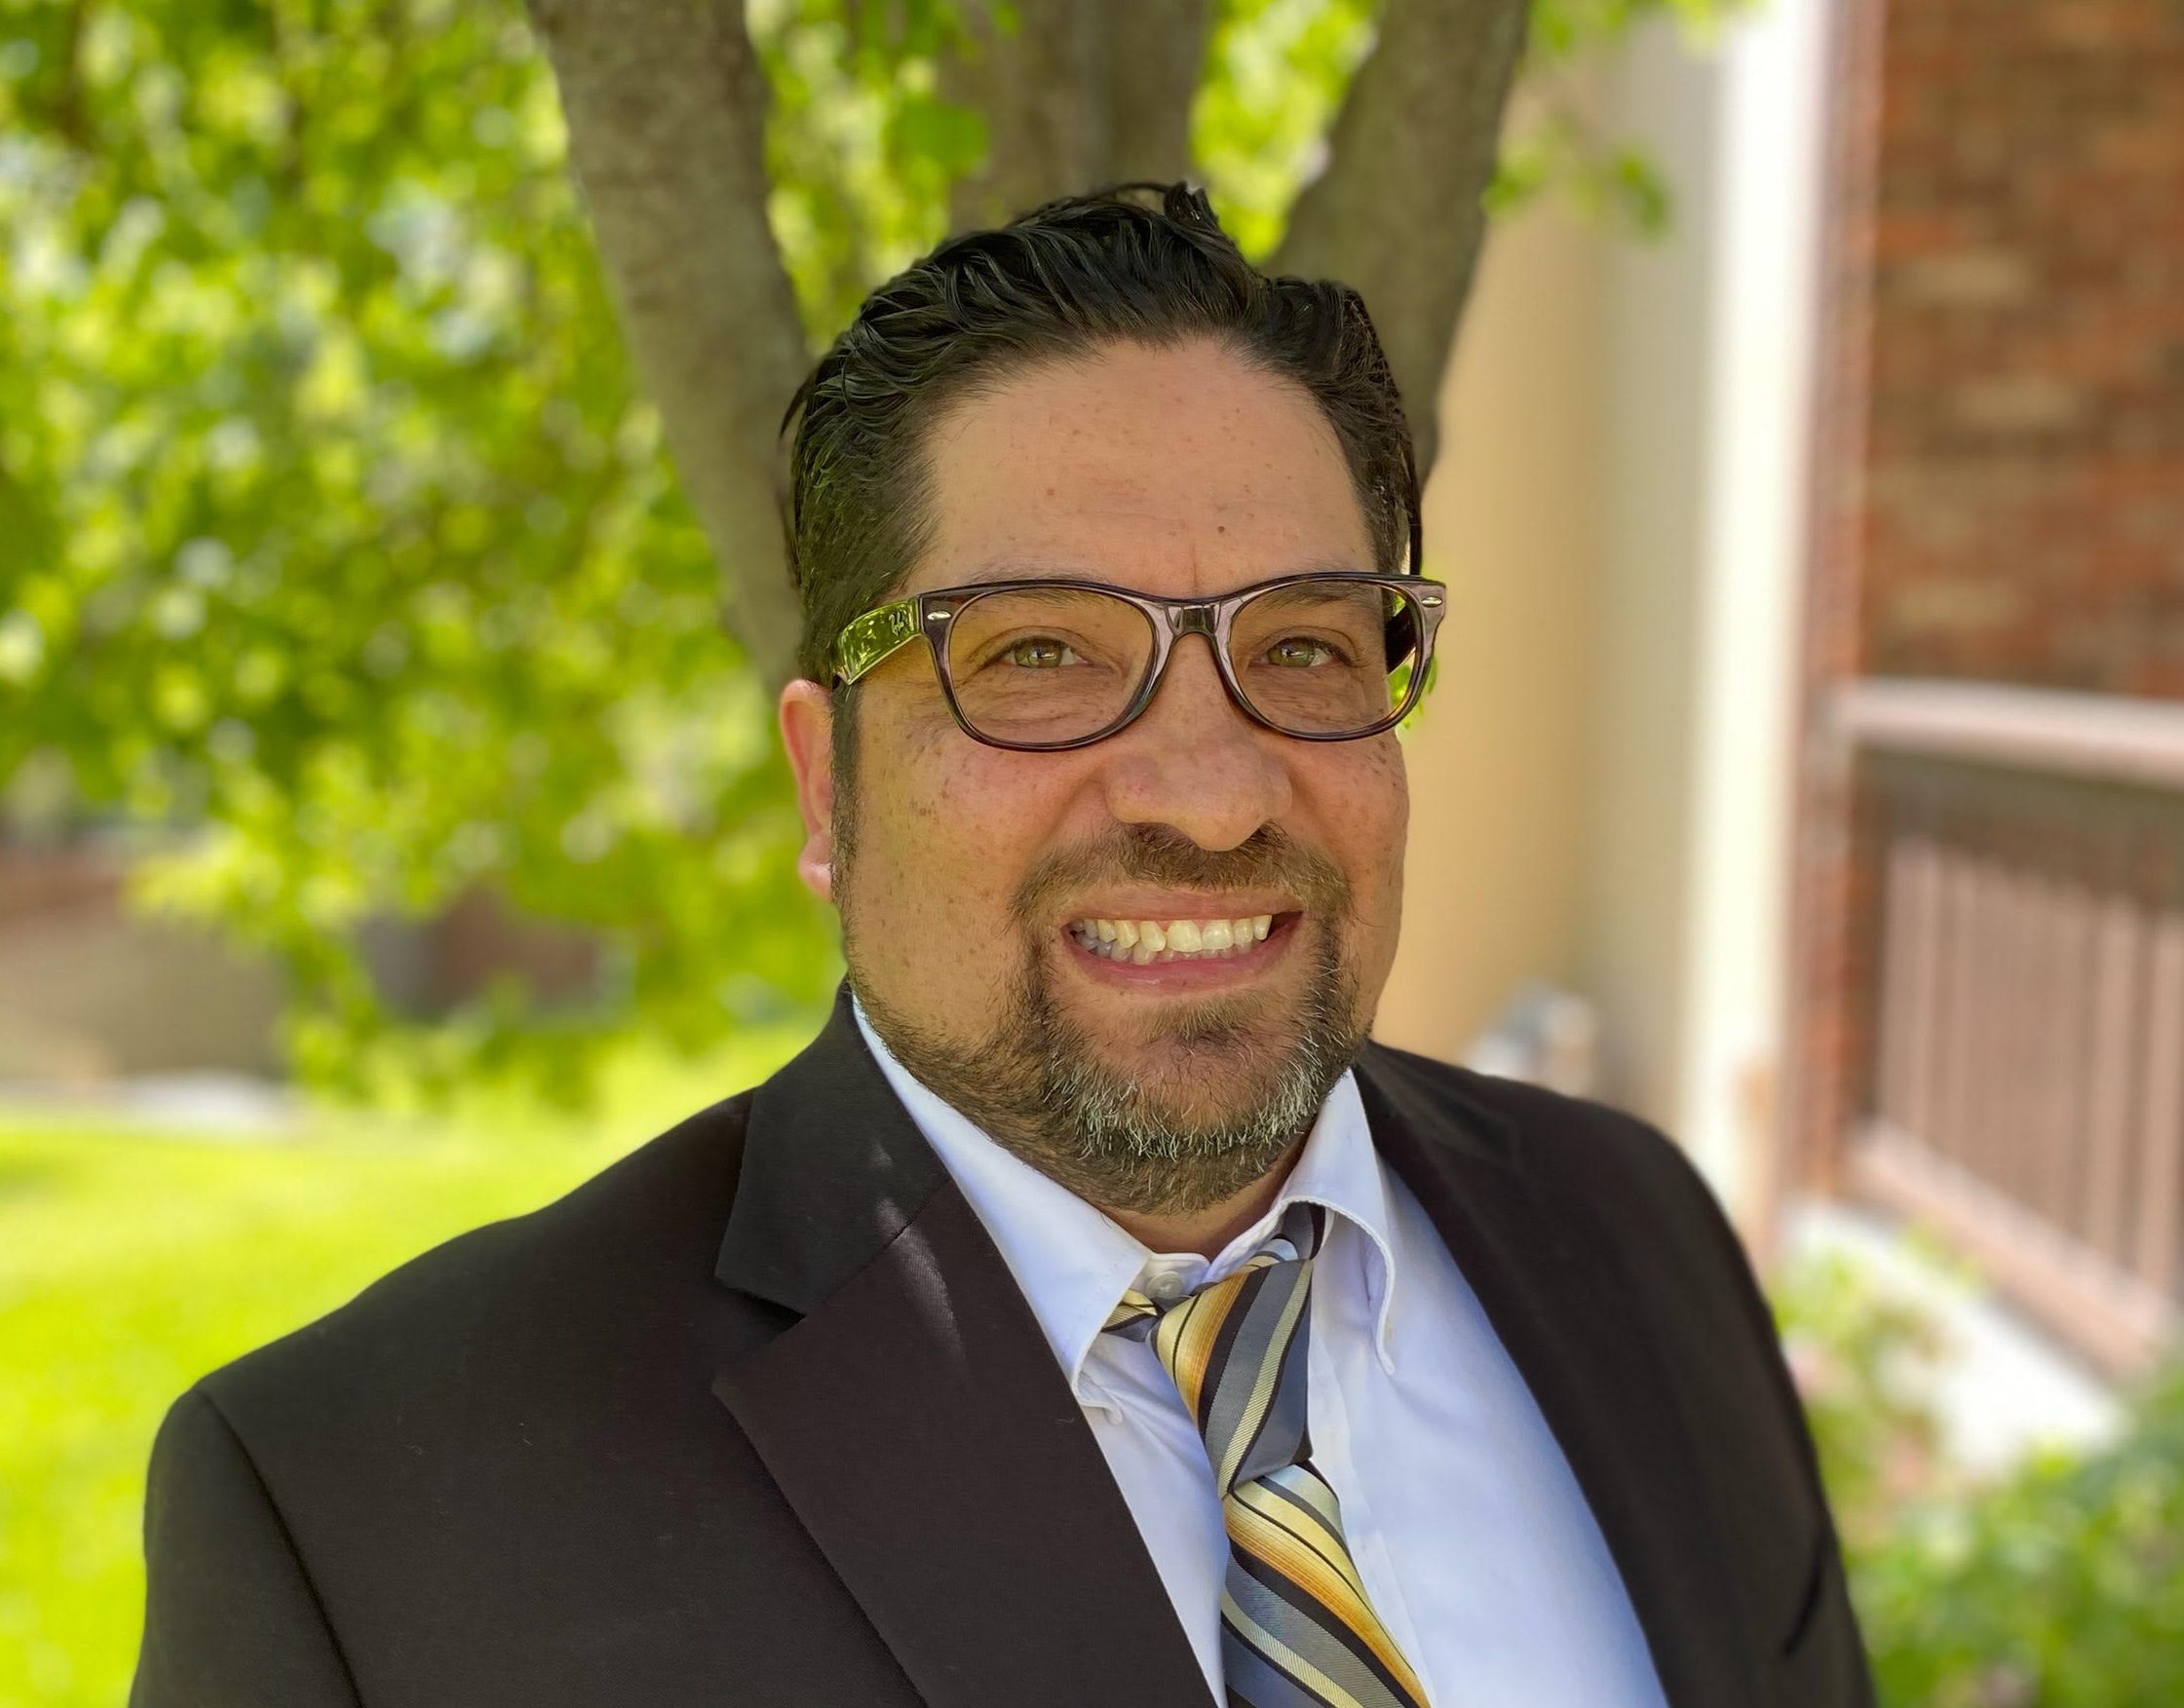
x: 2023, y: 490
x: 1999, y: 492
x: 1826, y: 1029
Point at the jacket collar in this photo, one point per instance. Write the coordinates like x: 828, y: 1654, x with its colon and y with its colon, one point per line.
x: 833, y: 1171
x: 916, y: 1420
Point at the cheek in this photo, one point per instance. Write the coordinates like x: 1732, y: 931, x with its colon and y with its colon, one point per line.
x: 948, y: 830
x: 1363, y: 811
x: 1372, y: 822
x: 1368, y: 797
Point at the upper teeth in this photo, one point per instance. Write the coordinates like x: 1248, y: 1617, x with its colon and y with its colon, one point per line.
x: 1143, y: 940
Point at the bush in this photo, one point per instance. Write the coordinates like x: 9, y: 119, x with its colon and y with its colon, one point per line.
x: 2061, y: 1586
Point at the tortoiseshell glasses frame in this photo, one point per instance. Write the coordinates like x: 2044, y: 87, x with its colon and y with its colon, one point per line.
x: 1413, y: 608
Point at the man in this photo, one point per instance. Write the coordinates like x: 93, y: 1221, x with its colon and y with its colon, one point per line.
x: 1091, y: 1315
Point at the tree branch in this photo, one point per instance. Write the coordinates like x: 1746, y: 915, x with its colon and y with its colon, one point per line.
x: 666, y: 104
x: 1398, y: 212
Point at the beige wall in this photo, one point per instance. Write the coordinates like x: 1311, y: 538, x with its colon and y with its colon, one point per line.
x: 1599, y: 794
x: 1658, y: 303
x: 1500, y: 765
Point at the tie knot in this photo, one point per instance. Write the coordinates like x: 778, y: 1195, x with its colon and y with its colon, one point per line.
x: 1295, y: 1239
x: 1236, y: 1352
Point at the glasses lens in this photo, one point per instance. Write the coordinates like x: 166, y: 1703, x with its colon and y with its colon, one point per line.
x: 1047, y: 665
x: 1327, y: 657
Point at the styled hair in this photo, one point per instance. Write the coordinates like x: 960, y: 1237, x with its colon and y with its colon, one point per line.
x: 1144, y: 264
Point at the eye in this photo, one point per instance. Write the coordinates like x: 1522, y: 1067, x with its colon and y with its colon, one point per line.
x: 1040, y: 652
x: 1301, y: 652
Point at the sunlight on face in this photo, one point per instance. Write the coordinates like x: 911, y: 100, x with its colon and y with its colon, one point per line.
x: 1191, y: 919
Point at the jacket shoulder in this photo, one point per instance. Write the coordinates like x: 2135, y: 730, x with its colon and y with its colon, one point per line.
x: 1640, y: 1184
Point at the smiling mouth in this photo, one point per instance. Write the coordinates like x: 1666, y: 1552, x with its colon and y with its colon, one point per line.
x: 1146, y: 943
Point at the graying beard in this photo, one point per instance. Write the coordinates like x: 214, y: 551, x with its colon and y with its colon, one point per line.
x: 1038, y: 1089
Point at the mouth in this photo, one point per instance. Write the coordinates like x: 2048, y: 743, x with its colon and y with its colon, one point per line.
x: 1144, y: 942
x: 1179, y: 951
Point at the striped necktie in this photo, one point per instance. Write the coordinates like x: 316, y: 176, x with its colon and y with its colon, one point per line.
x: 1297, y: 1631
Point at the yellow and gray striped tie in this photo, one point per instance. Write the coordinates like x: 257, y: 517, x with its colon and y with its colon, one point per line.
x: 1297, y: 1631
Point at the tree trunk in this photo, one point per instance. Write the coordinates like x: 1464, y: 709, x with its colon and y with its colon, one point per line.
x: 1076, y: 95
x: 666, y: 103
x: 1156, y: 56
x: 1398, y: 213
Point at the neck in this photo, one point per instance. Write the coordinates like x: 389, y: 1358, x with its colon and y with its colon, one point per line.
x: 1208, y: 1230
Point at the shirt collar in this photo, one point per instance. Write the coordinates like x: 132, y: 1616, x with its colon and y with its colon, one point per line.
x: 1073, y: 1264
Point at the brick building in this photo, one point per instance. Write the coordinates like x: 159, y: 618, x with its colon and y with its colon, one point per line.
x: 1988, y: 951
x: 1813, y: 694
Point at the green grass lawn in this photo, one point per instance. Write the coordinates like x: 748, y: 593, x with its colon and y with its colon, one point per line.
x: 131, y: 1265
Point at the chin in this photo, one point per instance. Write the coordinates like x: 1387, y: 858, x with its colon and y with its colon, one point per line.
x: 1188, y: 1031
x: 1204, y: 1058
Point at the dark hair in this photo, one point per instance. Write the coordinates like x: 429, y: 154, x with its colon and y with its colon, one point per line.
x: 1065, y: 278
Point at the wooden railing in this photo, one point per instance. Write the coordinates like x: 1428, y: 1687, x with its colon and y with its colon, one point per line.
x: 2026, y: 1091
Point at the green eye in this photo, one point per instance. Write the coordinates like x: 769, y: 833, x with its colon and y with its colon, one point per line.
x: 1041, y: 653
x: 1299, y: 652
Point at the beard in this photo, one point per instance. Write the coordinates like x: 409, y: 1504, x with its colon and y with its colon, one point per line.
x: 1233, y: 1082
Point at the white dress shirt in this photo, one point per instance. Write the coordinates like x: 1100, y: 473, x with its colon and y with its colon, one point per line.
x: 1475, y: 1542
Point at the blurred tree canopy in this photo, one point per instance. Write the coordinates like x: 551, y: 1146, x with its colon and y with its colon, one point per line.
x: 339, y: 549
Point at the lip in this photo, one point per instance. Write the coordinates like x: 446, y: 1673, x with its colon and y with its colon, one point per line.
x: 1186, y: 976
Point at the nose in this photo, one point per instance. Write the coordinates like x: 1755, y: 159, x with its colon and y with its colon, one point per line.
x: 1193, y: 761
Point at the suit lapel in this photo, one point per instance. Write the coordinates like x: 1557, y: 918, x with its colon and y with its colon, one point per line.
x: 916, y: 1420
x: 1541, y: 1266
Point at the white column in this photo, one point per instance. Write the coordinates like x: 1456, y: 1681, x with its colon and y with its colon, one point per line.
x: 1767, y: 189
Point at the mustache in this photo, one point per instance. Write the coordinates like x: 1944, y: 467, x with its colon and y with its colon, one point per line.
x: 1269, y: 858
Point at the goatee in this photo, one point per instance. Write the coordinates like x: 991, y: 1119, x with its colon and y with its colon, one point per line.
x: 1126, y: 1139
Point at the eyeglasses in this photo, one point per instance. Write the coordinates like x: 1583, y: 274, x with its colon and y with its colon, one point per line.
x: 1039, y: 665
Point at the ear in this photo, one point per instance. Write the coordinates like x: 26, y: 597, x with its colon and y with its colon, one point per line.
x: 807, y: 731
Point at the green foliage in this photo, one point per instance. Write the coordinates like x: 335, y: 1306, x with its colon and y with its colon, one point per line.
x: 2063, y: 1587
x: 1862, y: 1354
x: 1560, y: 150
x: 1276, y: 72
x: 336, y: 545
x: 860, y: 147
x: 335, y: 531
x: 1566, y: 30
x: 863, y: 149
x: 1558, y: 145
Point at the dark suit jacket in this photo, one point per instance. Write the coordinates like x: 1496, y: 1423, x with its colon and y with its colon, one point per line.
x: 759, y: 1417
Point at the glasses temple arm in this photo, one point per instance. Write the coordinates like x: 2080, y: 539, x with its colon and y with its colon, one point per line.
x: 874, y: 637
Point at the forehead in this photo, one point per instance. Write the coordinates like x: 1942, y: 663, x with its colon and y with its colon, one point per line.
x: 1182, y: 471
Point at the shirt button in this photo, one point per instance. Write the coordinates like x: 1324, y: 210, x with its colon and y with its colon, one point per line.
x: 1166, y: 1287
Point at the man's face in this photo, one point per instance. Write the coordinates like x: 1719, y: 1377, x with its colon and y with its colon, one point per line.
x: 977, y: 870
